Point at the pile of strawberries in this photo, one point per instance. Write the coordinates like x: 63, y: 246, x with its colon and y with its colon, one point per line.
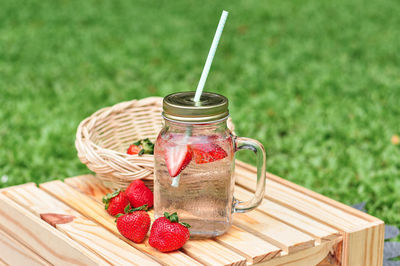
x: 133, y: 222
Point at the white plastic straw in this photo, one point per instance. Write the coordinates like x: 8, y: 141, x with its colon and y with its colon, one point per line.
x: 210, y: 56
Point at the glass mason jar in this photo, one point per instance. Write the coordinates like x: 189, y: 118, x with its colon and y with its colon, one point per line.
x: 194, y: 164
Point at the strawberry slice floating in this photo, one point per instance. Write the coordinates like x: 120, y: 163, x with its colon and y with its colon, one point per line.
x: 207, y: 153
x: 177, y: 158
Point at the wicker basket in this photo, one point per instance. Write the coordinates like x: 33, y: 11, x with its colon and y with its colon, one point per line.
x: 103, y: 138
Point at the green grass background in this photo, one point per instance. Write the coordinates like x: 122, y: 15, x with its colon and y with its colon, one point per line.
x: 316, y: 81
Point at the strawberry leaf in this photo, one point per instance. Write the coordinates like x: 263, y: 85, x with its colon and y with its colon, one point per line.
x: 172, y: 217
x: 141, y: 208
x: 109, y: 196
x: 185, y: 224
x: 141, y: 152
x: 127, y: 207
x: 137, y: 143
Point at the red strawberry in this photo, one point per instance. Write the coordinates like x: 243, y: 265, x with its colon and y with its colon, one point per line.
x: 168, y: 234
x: 115, y: 202
x: 135, y: 224
x: 177, y: 158
x: 207, y: 153
x: 133, y: 149
x: 143, y: 146
x: 138, y: 194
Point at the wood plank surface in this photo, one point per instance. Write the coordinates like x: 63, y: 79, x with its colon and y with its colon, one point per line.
x: 311, y: 256
x: 300, y: 202
x: 365, y: 246
x: 95, y: 211
x: 214, y: 254
x: 315, y: 195
x: 80, y: 228
x: 277, y: 233
x: 319, y: 231
x: 43, y: 239
x: 235, y: 239
x: 17, y: 253
x: 255, y: 249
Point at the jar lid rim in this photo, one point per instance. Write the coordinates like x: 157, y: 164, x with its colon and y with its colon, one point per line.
x: 181, y: 107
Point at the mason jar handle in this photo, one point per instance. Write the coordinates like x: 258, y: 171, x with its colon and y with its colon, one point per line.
x: 258, y: 149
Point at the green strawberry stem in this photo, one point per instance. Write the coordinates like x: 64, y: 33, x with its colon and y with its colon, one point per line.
x: 146, y: 145
x: 141, y: 208
x: 109, y: 196
x: 173, y: 218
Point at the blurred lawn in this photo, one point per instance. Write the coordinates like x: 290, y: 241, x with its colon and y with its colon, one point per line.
x: 316, y: 81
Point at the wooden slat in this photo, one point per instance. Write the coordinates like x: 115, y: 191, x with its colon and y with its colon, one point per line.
x: 319, y: 231
x: 95, y: 211
x: 312, y: 256
x: 236, y: 239
x: 42, y: 238
x: 210, y: 252
x: 255, y: 249
x: 80, y: 229
x: 315, y: 195
x: 277, y: 233
x: 302, y: 203
x: 18, y: 254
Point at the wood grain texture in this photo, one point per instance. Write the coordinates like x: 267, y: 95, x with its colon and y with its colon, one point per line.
x: 315, y: 195
x: 319, y: 231
x: 302, y: 203
x: 308, y: 257
x: 95, y: 211
x: 277, y: 233
x: 364, y: 246
x: 236, y: 239
x: 42, y: 238
x: 210, y: 252
x: 363, y: 234
x: 206, y: 251
x: 81, y: 229
x: 255, y: 249
x: 17, y: 253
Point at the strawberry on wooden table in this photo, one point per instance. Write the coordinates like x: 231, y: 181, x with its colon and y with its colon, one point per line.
x: 138, y: 194
x: 115, y: 202
x: 135, y: 224
x: 168, y: 234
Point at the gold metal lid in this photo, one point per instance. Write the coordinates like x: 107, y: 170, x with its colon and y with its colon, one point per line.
x: 181, y: 107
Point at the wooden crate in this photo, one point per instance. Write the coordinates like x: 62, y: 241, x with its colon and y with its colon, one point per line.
x: 65, y: 223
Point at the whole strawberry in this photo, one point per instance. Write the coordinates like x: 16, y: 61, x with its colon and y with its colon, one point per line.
x: 168, y: 234
x: 135, y: 224
x: 138, y: 194
x: 115, y: 202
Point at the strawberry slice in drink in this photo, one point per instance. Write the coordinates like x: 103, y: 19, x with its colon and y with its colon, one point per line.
x: 207, y: 153
x: 177, y: 157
